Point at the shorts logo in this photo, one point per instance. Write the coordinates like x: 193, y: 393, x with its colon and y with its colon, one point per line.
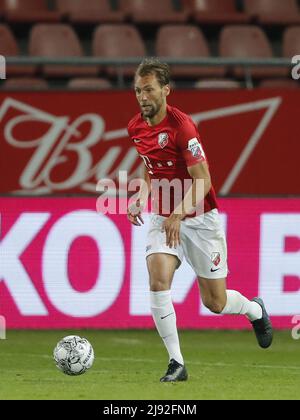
x: 148, y: 248
x: 163, y: 140
x: 196, y: 149
x: 216, y: 258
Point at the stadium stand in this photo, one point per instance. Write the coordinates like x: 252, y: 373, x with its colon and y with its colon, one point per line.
x: 152, y: 12
x: 248, y: 41
x: 89, y: 84
x: 217, y: 84
x: 171, y: 28
x: 29, y: 11
x: 116, y: 41
x: 91, y: 11
x: 8, y: 43
x: 25, y: 83
x: 58, y: 40
x: 291, y: 41
x: 8, y: 48
x: 1, y: 9
x: 279, y: 83
x: 273, y: 12
x: 185, y: 41
x: 215, y: 12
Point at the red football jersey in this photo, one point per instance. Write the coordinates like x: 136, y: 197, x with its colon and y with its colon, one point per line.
x: 167, y: 150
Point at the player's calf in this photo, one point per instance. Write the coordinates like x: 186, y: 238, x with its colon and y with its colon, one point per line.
x: 215, y: 307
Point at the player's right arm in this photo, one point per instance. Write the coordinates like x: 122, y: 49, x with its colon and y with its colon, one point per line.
x: 134, y: 212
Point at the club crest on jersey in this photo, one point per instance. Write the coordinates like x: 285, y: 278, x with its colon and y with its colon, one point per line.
x: 216, y: 258
x: 195, y: 148
x: 163, y: 140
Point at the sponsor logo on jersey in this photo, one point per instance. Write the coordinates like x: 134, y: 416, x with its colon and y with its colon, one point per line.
x: 216, y: 258
x: 163, y: 140
x: 196, y: 149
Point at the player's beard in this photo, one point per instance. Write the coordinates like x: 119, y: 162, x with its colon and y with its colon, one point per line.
x: 151, y: 111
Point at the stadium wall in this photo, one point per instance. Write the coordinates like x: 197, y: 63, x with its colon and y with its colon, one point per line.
x: 63, y: 265
x: 59, y: 142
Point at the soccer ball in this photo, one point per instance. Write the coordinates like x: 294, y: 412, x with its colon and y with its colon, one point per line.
x: 73, y: 355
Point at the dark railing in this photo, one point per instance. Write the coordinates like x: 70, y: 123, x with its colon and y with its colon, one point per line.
x: 246, y: 64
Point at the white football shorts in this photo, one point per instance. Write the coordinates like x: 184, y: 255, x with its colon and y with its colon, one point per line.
x: 203, y: 244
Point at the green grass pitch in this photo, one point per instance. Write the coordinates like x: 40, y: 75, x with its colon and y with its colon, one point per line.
x: 128, y: 365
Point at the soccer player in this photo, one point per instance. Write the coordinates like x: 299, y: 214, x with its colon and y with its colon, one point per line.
x: 169, y: 144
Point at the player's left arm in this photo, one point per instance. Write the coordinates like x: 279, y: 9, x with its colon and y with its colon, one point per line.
x: 189, y: 143
x: 197, y: 192
x: 201, y: 185
x: 192, y: 202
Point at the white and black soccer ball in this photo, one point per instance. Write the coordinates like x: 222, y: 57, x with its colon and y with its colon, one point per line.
x: 73, y: 355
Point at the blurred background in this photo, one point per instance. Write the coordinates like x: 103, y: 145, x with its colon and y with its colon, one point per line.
x: 205, y: 31
x: 64, y: 109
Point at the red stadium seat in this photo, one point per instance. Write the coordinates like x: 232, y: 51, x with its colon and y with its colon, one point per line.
x: 10, y: 48
x: 273, y: 12
x: 91, y: 11
x: 2, y: 3
x: 118, y: 41
x: 182, y: 42
x: 8, y: 43
x: 25, y: 84
x: 153, y: 12
x: 58, y: 41
x: 248, y: 42
x: 29, y: 11
x: 215, y: 12
x: 291, y: 42
x: 279, y: 84
x: 217, y: 84
x: 89, y: 84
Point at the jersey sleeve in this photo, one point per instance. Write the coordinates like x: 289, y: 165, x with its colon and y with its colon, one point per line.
x: 188, y: 140
x: 129, y: 130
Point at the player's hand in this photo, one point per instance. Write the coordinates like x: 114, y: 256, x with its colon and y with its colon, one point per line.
x: 172, y: 228
x: 134, y: 213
